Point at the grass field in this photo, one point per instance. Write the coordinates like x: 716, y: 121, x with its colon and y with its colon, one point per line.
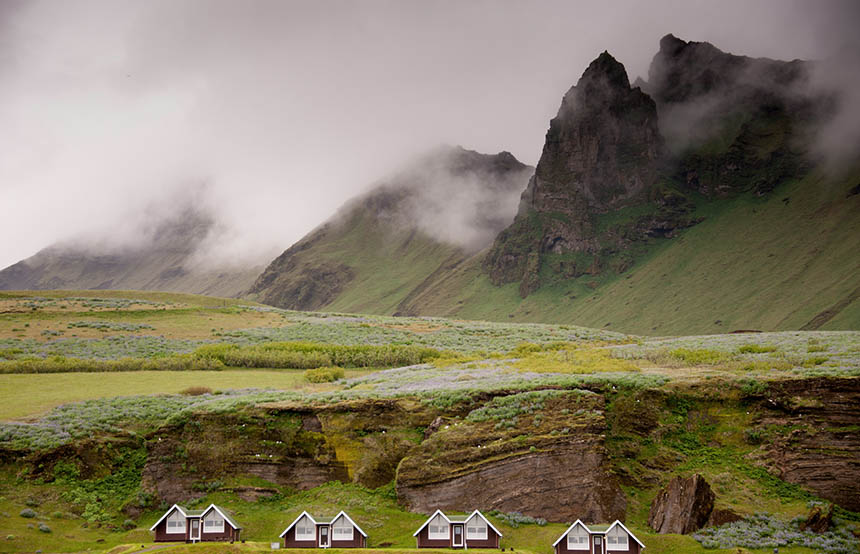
x: 474, y: 359
x: 29, y: 395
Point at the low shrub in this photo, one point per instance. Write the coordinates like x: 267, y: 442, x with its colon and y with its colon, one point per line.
x: 196, y: 391
x: 128, y: 525
x: 766, y: 531
x: 699, y: 356
x: 756, y: 349
x: 324, y: 374
x: 515, y: 519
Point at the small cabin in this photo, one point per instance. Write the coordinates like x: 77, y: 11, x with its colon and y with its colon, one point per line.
x: 340, y: 531
x: 447, y: 531
x: 580, y: 538
x: 181, y: 525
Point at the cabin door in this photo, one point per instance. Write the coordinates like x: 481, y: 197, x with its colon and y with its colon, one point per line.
x: 195, y: 530
x: 598, y: 545
x: 458, y: 535
x: 324, y: 536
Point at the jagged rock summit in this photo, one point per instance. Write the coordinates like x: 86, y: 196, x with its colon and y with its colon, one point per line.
x: 600, y: 155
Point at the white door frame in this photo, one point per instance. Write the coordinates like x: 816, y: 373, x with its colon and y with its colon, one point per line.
x: 601, y: 549
x: 327, y: 529
x: 462, y: 528
x: 191, y: 530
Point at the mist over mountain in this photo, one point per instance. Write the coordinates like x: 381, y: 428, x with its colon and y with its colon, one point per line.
x: 703, y: 199
x: 168, y: 247
x: 440, y: 210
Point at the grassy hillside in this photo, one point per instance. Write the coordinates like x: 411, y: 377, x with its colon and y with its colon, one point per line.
x: 768, y: 263
x: 786, y: 260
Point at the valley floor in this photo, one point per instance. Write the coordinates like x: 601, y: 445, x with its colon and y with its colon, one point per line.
x: 769, y: 419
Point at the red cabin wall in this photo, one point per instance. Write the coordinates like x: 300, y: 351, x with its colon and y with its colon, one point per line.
x: 358, y: 540
x: 492, y: 540
x: 425, y: 542
x: 228, y: 534
x: 632, y: 547
x: 291, y: 542
x: 161, y: 534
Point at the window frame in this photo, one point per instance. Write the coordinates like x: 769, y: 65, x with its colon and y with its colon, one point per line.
x: 215, y: 518
x: 343, y: 525
x: 176, y: 517
x: 304, y: 524
x: 580, y: 533
x: 438, y: 523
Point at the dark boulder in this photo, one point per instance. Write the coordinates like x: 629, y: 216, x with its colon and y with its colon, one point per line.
x: 683, y: 506
x: 819, y: 520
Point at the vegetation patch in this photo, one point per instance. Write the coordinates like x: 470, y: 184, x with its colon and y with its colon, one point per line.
x: 324, y: 374
x: 766, y: 531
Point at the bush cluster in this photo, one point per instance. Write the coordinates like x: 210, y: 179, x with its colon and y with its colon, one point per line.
x: 765, y: 531
x: 515, y: 519
x: 62, y: 364
x: 324, y: 374
x: 310, y: 355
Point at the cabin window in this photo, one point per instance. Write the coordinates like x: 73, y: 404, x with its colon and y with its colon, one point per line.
x: 341, y: 530
x: 438, y: 528
x: 616, y: 539
x: 213, y: 523
x: 476, y: 528
x: 176, y: 522
x: 305, y: 530
x: 577, y: 539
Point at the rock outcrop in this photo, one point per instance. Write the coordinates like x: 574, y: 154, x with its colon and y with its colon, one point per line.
x: 812, y: 438
x: 819, y: 520
x: 621, y: 164
x: 683, y: 506
x: 557, y: 470
x: 600, y: 155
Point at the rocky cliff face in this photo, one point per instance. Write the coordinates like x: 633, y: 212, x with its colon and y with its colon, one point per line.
x: 620, y: 165
x: 812, y: 438
x: 558, y: 470
x: 600, y: 156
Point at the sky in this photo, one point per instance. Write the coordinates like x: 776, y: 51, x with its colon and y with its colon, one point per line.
x: 280, y: 111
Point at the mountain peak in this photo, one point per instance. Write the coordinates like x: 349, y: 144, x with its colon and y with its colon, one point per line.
x: 605, y: 68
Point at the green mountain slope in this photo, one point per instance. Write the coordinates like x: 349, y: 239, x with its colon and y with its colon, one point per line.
x: 769, y: 263
x: 383, y: 246
x: 686, y: 204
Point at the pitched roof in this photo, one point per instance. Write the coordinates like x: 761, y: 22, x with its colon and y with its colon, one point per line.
x: 601, y: 528
x: 457, y: 519
x: 291, y: 525
x: 223, y: 513
x: 354, y: 524
x: 568, y: 530
x: 167, y: 513
x: 324, y: 519
x: 618, y: 523
x: 487, y: 521
x: 437, y: 512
